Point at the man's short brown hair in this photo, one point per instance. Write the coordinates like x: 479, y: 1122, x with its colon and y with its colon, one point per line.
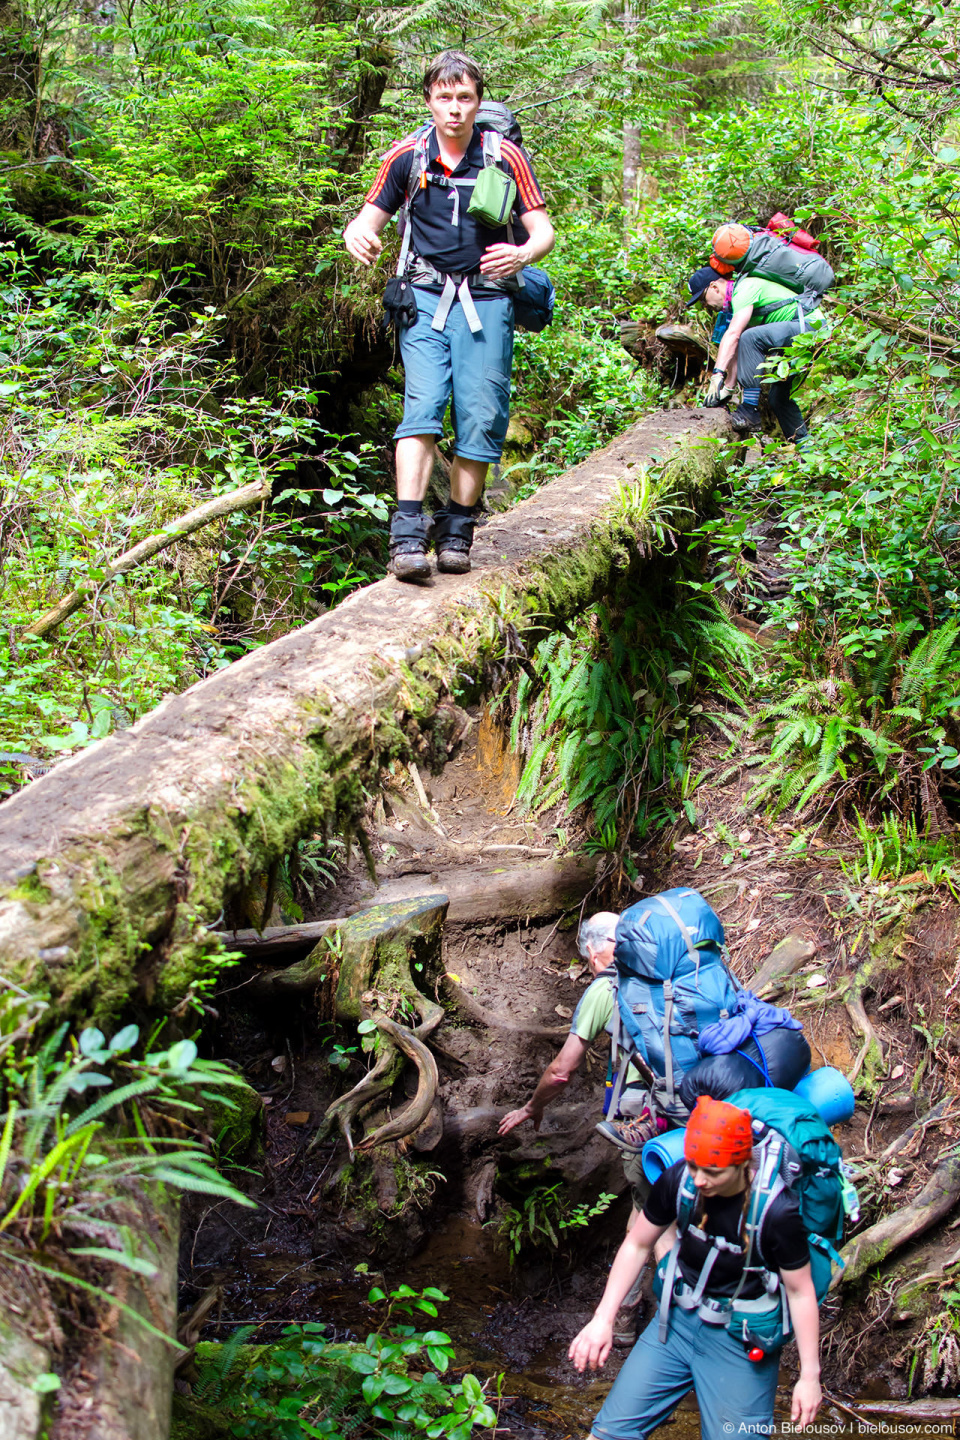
x: 452, y: 65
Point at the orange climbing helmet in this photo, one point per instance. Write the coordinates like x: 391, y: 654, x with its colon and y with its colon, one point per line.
x: 718, y: 1134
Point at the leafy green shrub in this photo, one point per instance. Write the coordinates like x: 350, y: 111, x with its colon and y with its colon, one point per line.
x: 64, y: 1176
x: 307, y: 1386
x: 604, y: 719
x: 542, y: 1217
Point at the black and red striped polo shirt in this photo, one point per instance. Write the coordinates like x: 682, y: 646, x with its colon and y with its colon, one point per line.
x: 443, y: 232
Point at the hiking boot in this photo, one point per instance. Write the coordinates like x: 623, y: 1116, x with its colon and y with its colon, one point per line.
x: 408, y: 546
x: 634, y: 1133
x: 746, y: 420
x: 452, y: 538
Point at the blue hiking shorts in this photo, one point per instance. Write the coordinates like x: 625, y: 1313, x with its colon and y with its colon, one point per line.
x: 735, y: 1395
x: 475, y: 369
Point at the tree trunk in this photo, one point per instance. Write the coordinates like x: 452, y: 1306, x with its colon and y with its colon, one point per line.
x: 112, y: 862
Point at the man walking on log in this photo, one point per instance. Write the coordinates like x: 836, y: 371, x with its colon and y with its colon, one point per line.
x: 456, y: 338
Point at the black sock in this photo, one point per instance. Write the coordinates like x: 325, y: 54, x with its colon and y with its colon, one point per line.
x: 456, y: 508
x: 410, y: 507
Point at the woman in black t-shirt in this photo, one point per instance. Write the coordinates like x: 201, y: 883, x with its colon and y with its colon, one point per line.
x: 735, y: 1393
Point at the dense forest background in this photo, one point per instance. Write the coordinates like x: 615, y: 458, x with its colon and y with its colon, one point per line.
x: 180, y: 320
x: 182, y: 330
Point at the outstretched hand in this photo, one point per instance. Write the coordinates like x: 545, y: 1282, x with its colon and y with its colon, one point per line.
x: 807, y: 1399
x: 592, y: 1346
x: 517, y: 1117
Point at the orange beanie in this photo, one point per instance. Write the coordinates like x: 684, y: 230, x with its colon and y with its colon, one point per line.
x: 718, y: 1134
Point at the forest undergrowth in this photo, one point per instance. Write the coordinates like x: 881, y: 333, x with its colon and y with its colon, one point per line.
x: 180, y: 322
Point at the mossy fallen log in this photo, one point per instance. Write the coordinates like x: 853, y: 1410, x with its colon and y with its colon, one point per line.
x: 116, y: 866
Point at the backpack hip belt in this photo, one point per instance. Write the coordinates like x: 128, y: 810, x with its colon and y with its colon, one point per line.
x: 456, y: 284
x: 720, y: 1310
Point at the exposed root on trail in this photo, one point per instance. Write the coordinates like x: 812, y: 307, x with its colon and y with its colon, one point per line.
x: 475, y: 1011
x: 413, y: 1116
x: 876, y: 1244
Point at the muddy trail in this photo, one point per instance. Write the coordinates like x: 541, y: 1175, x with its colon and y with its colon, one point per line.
x: 441, y: 1206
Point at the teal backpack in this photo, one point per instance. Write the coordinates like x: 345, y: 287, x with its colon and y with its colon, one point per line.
x: 792, y: 1147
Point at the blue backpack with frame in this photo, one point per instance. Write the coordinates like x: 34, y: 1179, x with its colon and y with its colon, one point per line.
x: 672, y: 981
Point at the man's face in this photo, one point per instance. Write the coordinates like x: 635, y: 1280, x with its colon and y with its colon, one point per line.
x: 454, y: 105
x: 716, y: 294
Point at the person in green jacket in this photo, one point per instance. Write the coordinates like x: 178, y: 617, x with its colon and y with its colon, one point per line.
x: 765, y: 319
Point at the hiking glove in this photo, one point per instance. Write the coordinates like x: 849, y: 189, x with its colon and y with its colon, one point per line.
x: 714, y: 393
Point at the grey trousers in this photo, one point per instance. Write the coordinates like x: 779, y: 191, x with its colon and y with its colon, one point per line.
x: 756, y: 346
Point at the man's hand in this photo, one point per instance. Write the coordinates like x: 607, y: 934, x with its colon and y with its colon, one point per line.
x: 363, y: 243
x: 592, y: 1345
x: 807, y: 1399
x: 517, y: 1117
x: 714, y: 395
x: 499, y: 262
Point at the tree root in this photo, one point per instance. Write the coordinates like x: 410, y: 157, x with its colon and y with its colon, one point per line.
x: 870, y: 1058
x: 378, y: 1081
x: 876, y: 1244
x: 413, y: 1116
x: 475, y: 1011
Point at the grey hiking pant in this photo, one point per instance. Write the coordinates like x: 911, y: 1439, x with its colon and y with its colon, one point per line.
x: 758, y: 345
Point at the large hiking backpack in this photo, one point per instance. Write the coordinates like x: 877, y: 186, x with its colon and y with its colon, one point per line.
x: 534, y: 296
x: 672, y: 981
x: 793, y: 1148
x: 806, y: 273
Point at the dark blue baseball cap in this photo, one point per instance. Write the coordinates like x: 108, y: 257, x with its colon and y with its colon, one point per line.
x: 698, y: 282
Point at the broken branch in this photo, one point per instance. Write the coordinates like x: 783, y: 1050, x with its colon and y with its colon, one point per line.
x: 195, y: 519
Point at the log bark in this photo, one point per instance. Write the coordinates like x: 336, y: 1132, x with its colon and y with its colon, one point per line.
x: 277, y: 940
x: 873, y: 1246
x: 111, y: 863
x: 524, y: 892
x: 215, y: 509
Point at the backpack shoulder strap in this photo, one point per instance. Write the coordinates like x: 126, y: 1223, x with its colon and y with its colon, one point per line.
x: 493, y: 148
x: 416, y: 179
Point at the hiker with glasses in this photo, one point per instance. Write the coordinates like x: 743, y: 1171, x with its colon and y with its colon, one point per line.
x: 452, y: 299
x: 764, y: 318
x: 715, y: 1289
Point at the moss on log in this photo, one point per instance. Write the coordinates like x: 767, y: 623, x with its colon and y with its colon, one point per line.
x: 115, y: 865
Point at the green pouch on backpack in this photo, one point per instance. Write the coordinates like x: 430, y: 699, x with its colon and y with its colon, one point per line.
x: 493, y: 197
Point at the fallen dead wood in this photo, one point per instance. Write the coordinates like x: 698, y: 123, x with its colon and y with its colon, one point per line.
x: 932, y: 1409
x: 523, y: 892
x: 107, y: 861
x: 876, y: 1244
x: 215, y: 509
x: 919, y: 1125
x: 278, y: 940
x: 475, y: 1011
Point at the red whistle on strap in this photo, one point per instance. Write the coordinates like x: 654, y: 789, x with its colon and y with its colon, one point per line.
x: 755, y: 1354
